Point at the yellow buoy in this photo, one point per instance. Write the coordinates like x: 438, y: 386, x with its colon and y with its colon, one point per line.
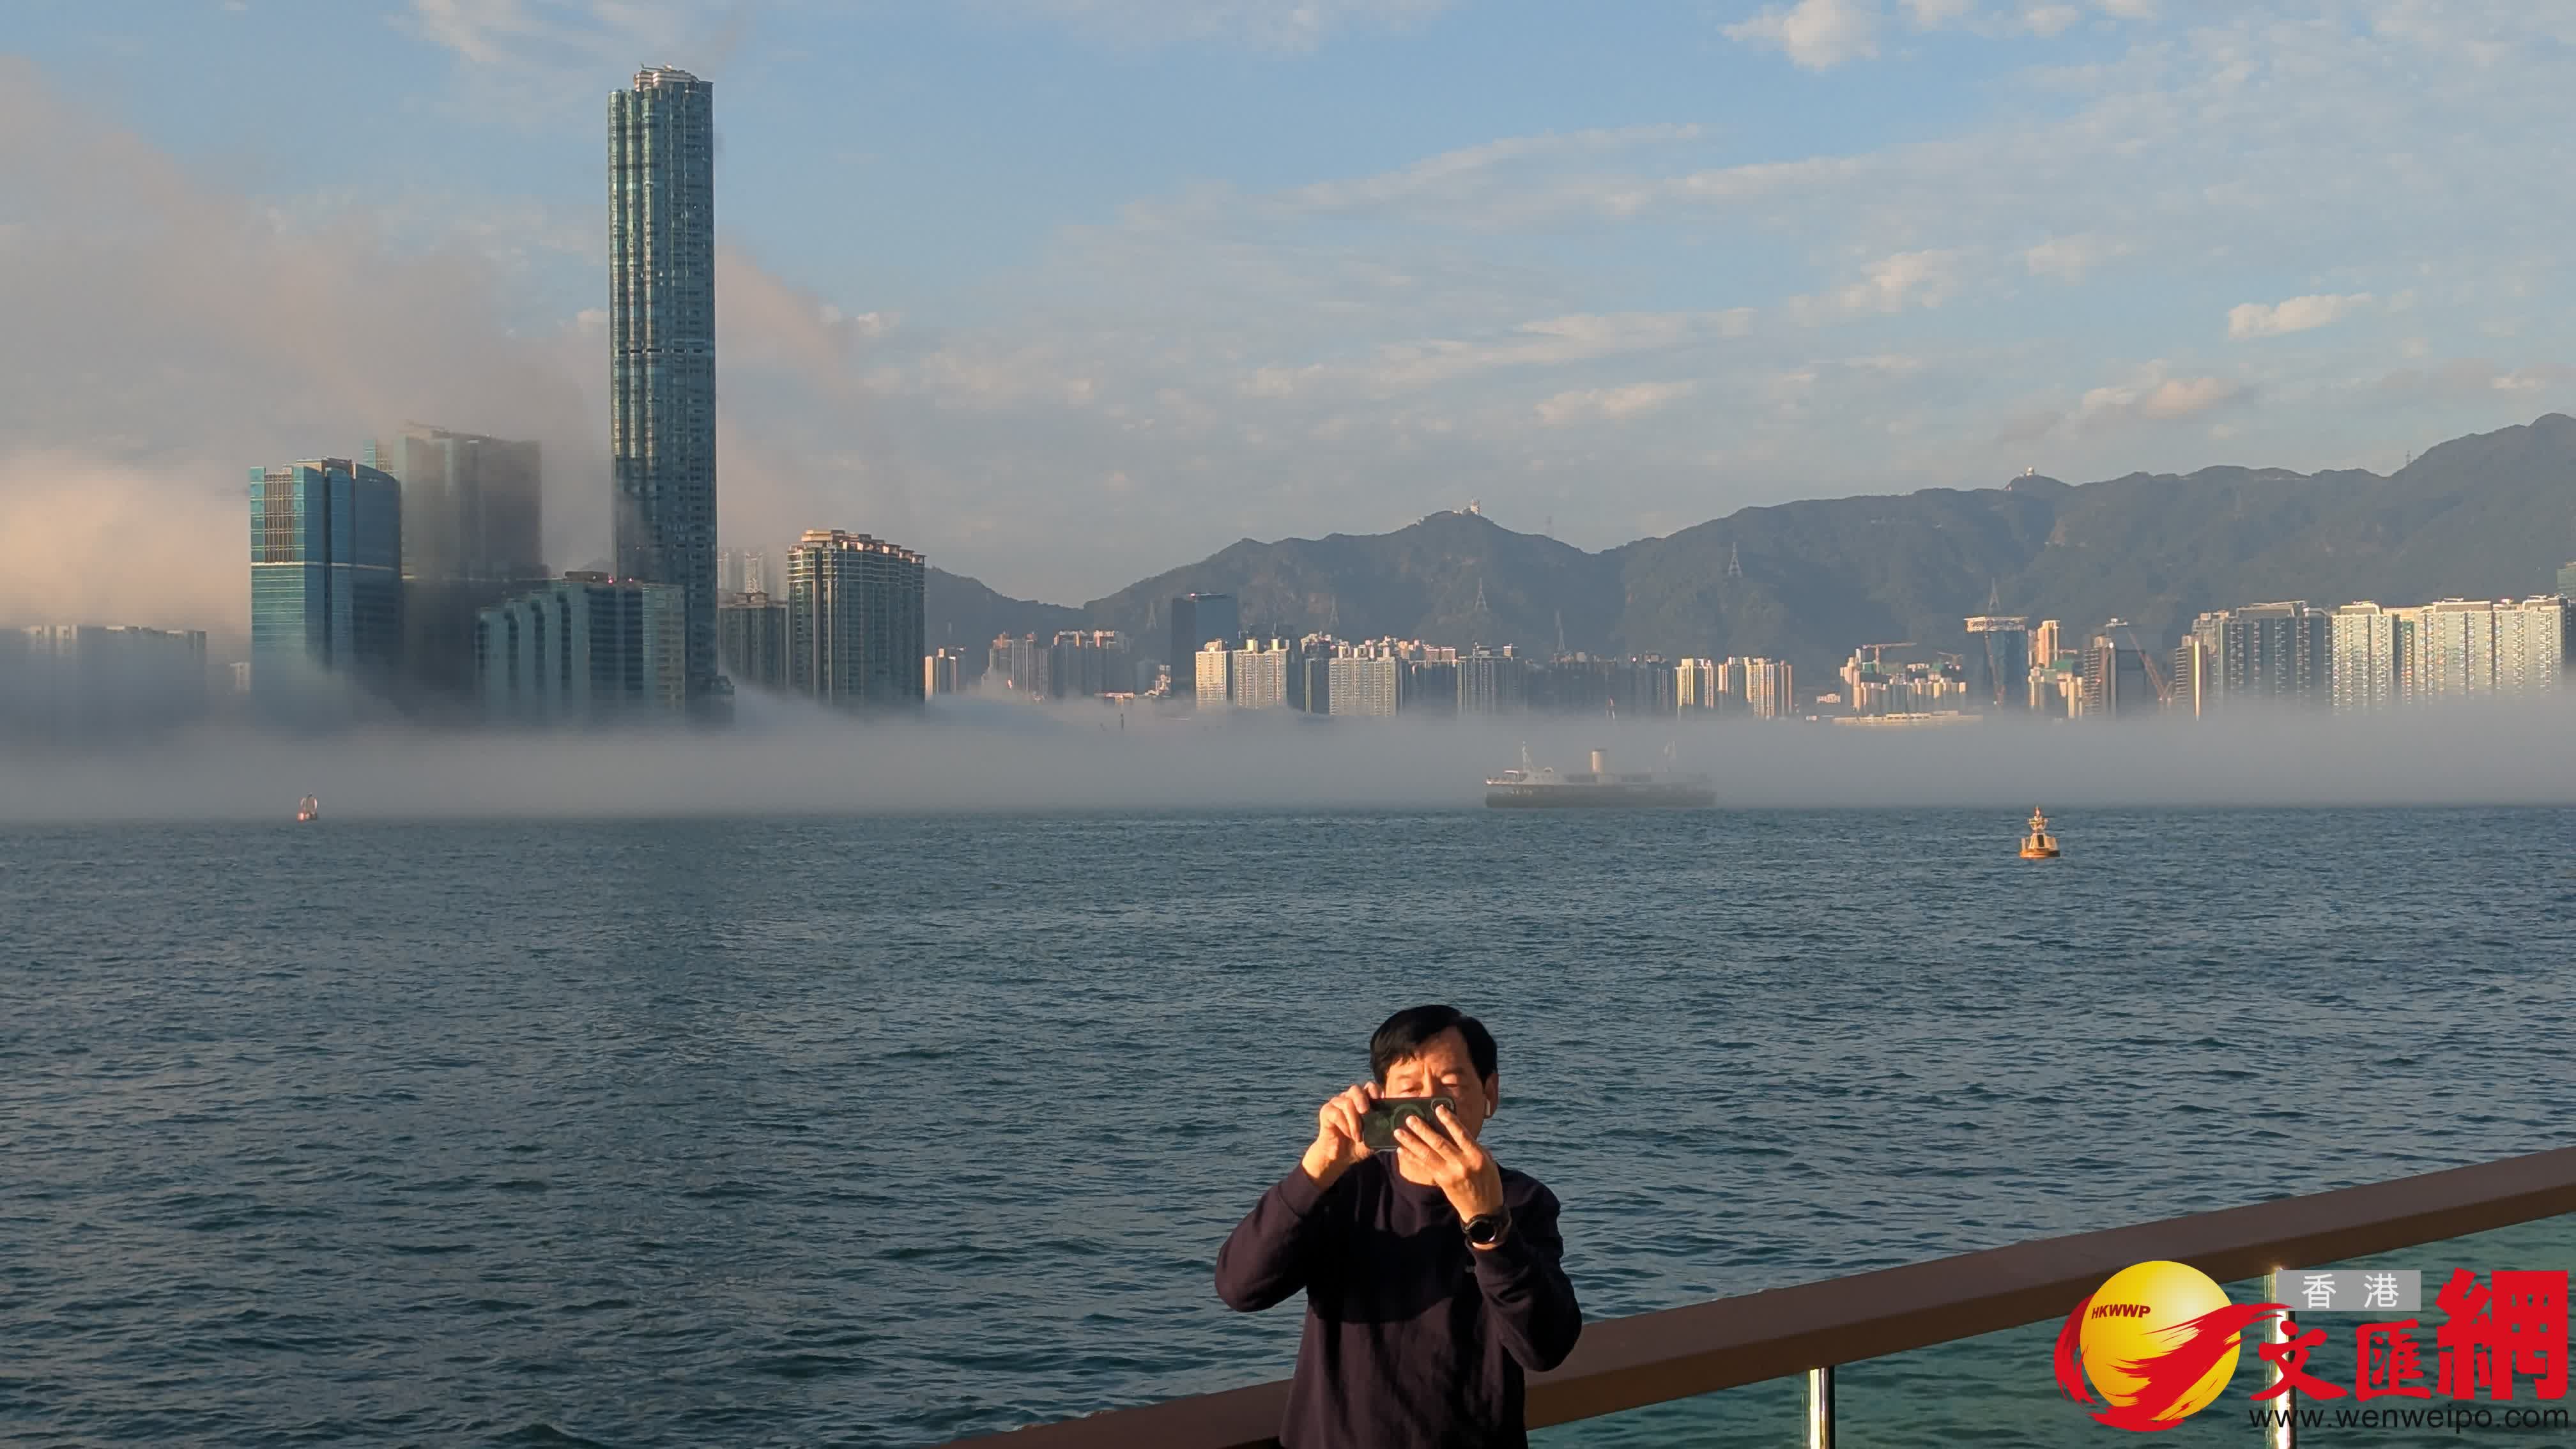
x: 2039, y: 844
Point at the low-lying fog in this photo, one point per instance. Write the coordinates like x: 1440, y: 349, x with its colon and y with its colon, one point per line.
x: 969, y: 755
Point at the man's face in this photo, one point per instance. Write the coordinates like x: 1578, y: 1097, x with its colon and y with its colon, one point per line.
x: 1443, y: 1069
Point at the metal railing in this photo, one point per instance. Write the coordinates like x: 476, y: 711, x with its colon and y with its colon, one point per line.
x: 1653, y: 1358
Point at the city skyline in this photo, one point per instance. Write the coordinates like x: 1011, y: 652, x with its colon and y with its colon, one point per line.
x: 1620, y: 306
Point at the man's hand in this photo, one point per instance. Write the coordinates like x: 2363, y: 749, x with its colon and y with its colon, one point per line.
x: 1450, y: 1158
x: 1337, y: 1147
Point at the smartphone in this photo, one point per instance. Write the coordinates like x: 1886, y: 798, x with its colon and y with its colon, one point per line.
x: 1378, y: 1123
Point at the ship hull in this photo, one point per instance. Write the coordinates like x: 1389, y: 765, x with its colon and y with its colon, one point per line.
x: 1600, y: 797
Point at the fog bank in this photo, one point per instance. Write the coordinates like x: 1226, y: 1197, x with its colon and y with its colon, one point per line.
x: 788, y: 760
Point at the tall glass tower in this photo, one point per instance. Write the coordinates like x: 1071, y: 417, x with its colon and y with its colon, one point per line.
x: 662, y: 344
x: 325, y: 583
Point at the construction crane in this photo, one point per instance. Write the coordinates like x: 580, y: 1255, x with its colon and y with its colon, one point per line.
x: 2147, y: 657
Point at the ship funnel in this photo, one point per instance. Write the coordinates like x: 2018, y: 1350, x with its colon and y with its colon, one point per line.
x: 1601, y: 762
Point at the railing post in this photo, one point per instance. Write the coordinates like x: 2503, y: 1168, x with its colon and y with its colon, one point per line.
x: 1820, y: 1407
x: 2283, y: 1431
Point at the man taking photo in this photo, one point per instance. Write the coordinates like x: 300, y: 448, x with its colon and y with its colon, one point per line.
x: 1433, y: 1274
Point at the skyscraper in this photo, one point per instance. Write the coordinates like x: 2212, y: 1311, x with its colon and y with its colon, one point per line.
x: 662, y: 345
x: 2120, y: 676
x: 473, y: 521
x: 854, y: 619
x: 325, y: 582
x: 1998, y: 662
x: 1196, y: 619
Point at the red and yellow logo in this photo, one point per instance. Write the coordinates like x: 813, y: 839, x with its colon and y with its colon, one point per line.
x: 2158, y: 1341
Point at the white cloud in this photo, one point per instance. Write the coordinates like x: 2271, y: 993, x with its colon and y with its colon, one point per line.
x: 2072, y: 258
x: 1816, y: 34
x: 546, y: 60
x: 560, y: 34
x: 2047, y: 20
x: 1891, y: 284
x: 2151, y: 396
x: 1933, y: 14
x: 2298, y: 314
x: 2127, y: 9
x: 1471, y: 172
x: 1610, y: 404
x: 1290, y: 27
x: 1553, y: 341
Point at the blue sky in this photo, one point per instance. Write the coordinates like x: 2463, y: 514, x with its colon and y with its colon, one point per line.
x: 1066, y: 292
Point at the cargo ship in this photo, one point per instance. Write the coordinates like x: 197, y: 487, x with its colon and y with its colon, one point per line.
x: 1599, y: 788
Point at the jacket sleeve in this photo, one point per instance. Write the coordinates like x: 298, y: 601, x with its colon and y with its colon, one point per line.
x: 1269, y: 1254
x: 1528, y: 1297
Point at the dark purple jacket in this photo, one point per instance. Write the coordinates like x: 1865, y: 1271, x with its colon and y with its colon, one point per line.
x: 1414, y: 1340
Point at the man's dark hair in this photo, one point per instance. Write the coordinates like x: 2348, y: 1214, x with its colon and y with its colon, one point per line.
x: 1405, y: 1033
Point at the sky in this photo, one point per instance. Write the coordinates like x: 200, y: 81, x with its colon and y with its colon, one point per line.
x: 1068, y: 292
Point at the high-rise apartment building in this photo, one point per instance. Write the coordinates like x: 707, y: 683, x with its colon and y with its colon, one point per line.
x: 2274, y: 654
x: 583, y: 649
x: 1770, y: 690
x: 1700, y: 685
x: 1085, y: 662
x: 473, y: 522
x: 1363, y: 687
x: 1492, y: 683
x: 1998, y: 662
x: 1257, y: 675
x: 662, y: 345
x: 2531, y: 646
x: 943, y: 671
x: 2454, y: 653
x: 1196, y: 620
x: 325, y: 583
x: 751, y: 640
x: 2367, y: 667
x: 1211, y: 673
x: 854, y: 619
x: 1018, y: 666
x: 2191, y: 688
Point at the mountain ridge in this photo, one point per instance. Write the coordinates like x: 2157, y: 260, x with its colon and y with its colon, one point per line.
x: 2484, y: 514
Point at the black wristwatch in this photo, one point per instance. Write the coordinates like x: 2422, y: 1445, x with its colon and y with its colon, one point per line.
x: 1486, y: 1229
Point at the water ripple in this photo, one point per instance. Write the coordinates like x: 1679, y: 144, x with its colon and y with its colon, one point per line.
x: 878, y: 1132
